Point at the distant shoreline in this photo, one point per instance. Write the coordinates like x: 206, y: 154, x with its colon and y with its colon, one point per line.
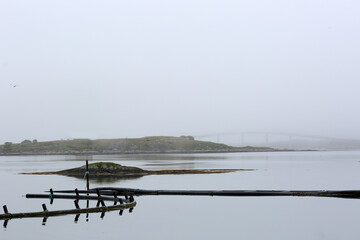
x: 145, y: 145
x: 151, y: 152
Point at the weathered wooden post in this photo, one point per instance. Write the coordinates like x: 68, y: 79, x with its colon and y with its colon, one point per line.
x: 76, y: 192
x: 51, y: 196
x: 44, y: 207
x: 87, y: 175
x: 87, y: 187
x: 45, y: 218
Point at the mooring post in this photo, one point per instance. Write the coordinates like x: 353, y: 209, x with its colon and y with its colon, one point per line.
x: 87, y: 175
x: 121, y: 212
x: 130, y: 210
x: 5, y: 209
x: 131, y: 198
x: 44, y: 221
x: 76, y: 192
x: 87, y: 187
x: 51, y: 196
x: 102, y: 215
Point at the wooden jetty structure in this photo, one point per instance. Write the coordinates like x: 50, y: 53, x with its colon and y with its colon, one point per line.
x: 118, y: 204
x: 124, y: 203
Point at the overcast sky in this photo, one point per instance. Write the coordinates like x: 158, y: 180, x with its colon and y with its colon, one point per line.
x: 113, y: 69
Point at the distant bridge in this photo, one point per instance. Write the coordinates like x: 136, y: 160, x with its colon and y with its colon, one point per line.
x: 267, y: 134
x: 265, y: 137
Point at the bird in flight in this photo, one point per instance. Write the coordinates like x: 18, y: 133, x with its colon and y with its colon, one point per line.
x: 13, y: 85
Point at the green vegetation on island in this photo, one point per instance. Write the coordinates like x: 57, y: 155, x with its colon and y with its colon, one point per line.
x: 159, y: 144
x: 114, y: 170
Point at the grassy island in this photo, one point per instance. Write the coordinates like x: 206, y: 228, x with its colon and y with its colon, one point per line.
x: 159, y: 144
x: 109, y: 169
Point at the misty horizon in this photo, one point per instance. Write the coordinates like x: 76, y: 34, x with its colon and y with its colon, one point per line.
x: 115, y: 69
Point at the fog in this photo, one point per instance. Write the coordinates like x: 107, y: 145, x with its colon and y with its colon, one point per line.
x: 113, y: 69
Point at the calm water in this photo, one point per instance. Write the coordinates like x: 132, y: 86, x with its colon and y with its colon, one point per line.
x: 180, y: 217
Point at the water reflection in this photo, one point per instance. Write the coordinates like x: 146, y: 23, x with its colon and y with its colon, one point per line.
x: 198, y: 217
x: 109, y: 179
x: 132, y: 157
x: 188, y: 165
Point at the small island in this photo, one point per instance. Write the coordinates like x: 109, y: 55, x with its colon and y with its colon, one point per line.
x: 109, y: 169
x: 145, y: 145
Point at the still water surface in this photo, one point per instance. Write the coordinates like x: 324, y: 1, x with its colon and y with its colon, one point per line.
x: 201, y: 217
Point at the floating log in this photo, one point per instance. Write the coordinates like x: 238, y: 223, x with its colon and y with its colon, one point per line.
x: 46, y: 214
x: 231, y: 193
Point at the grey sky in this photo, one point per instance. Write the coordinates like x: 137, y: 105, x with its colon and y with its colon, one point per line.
x: 106, y: 69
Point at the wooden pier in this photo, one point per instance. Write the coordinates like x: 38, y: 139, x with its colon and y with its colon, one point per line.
x: 118, y: 203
